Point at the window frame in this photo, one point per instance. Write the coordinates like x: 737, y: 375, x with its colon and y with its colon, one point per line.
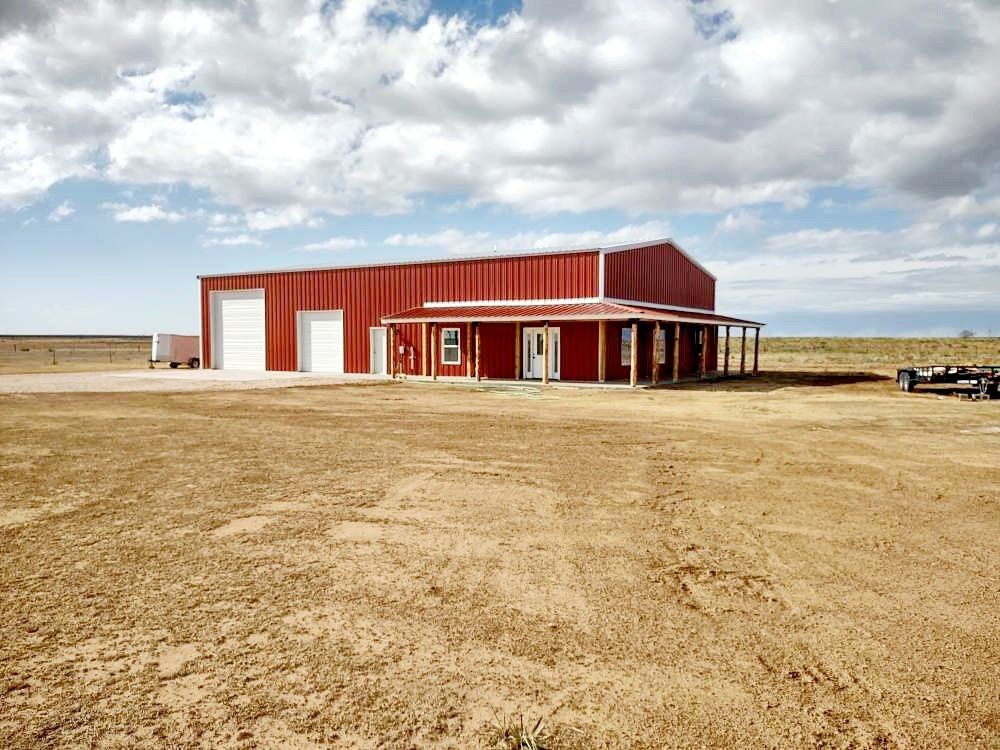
x: 625, y: 346
x: 457, y: 346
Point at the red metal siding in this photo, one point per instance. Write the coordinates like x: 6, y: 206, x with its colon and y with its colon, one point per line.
x: 366, y: 294
x: 659, y: 274
x: 578, y: 350
x: 497, y: 359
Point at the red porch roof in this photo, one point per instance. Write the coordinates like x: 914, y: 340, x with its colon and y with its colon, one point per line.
x: 513, y: 313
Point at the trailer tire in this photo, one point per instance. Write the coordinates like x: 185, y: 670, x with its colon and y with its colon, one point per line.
x: 173, y: 365
x: 906, y: 382
x: 194, y: 363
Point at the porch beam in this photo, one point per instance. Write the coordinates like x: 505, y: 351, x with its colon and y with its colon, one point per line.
x: 655, y: 372
x: 433, y: 351
x: 478, y: 341
x: 518, y: 346
x: 743, y: 353
x: 703, y: 354
x: 545, y: 354
x: 602, y: 350
x: 468, y: 349
x: 725, y: 366
x: 756, y: 351
x: 633, y: 376
x: 390, y: 349
x: 424, y: 346
x: 677, y: 352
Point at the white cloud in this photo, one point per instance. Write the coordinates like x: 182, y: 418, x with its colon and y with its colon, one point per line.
x: 293, y: 111
x: 143, y: 214
x: 921, y: 268
x: 234, y: 240
x: 336, y: 243
x: 740, y: 221
x: 61, y: 211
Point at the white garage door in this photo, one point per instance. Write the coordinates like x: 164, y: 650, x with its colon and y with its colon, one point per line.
x: 238, y: 330
x: 321, y: 341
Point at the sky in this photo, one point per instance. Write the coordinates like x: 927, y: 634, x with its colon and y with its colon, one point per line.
x: 835, y: 163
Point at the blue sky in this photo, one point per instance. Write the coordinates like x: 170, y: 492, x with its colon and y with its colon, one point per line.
x: 831, y: 190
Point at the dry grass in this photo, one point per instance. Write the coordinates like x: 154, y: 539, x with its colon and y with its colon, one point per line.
x: 777, y: 563
x: 70, y: 354
x: 878, y: 355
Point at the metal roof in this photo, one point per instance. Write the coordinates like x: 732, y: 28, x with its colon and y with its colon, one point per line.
x: 564, y: 311
x: 462, y: 258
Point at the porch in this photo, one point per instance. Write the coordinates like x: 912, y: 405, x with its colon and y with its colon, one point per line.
x: 590, y: 342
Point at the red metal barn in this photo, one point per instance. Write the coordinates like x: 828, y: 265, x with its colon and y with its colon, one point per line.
x: 639, y: 312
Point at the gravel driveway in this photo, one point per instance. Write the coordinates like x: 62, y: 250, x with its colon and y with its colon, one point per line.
x: 165, y: 380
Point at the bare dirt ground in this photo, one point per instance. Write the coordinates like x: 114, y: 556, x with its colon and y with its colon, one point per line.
x: 794, y: 561
x: 163, y: 380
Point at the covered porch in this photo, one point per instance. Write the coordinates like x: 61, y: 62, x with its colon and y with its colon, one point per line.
x: 589, y: 342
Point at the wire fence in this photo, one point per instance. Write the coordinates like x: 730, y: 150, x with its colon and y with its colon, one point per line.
x: 40, y: 355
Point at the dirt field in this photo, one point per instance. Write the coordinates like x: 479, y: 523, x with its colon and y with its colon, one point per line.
x: 794, y: 561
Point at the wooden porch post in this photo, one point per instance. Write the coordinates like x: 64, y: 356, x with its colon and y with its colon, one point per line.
x: 633, y: 375
x: 478, y: 359
x: 602, y: 350
x: 390, y: 352
x: 725, y: 366
x: 545, y: 354
x: 518, y: 345
x: 677, y: 352
x: 468, y: 349
x: 756, y: 352
x: 423, y: 349
x: 433, y: 351
x: 703, y: 354
x: 655, y: 373
x: 743, y: 353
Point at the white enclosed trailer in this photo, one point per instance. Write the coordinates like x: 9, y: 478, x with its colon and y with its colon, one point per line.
x: 176, y: 350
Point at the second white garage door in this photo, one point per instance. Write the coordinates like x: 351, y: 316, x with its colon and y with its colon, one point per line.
x: 321, y: 341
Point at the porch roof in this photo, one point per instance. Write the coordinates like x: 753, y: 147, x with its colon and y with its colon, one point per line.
x: 521, y: 313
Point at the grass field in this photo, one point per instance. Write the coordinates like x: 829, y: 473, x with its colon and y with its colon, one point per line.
x: 73, y: 354
x: 882, y: 355
x: 798, y: 560
x: 879, y: 355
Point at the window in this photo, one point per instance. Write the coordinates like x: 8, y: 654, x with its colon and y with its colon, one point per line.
x: 451, y: 350
x: 661, y: 347
x: 626, y: 346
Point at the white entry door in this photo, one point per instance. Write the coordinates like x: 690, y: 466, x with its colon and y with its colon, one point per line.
x: 321, y: 341
x: 238, y: 339
x: 378, y: 351
x: 532, y: 352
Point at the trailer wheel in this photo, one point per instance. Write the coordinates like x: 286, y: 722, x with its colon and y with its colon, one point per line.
x: 194, y: 363
x: 173, y: 365
x: 905, y: 382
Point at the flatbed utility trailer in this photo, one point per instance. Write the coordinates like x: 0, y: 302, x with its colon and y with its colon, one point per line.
x: 984, y: 380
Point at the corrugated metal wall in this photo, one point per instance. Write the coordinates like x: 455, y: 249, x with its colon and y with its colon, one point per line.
x: 366, y: 294
x: 660, y: 274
